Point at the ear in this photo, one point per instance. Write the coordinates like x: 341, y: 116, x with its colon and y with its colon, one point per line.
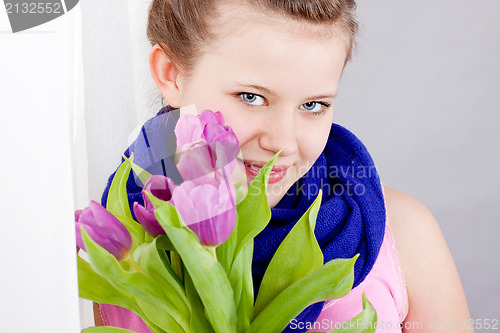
x: 165, y: 75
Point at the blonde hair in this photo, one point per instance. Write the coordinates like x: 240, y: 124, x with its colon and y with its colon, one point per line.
x: 181, y: 27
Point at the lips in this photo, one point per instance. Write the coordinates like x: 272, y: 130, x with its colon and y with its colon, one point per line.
x: 257, y: 164
x: 278, y: 172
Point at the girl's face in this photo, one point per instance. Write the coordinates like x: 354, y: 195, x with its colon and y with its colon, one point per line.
x: 275, y: 81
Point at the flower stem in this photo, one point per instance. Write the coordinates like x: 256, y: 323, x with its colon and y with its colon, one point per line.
x: 176, y: 263
x: 212, y: 252
x: 132, y: 263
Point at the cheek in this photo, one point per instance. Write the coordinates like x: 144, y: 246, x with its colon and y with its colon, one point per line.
x: 242, y: 132
x: 311, y: 146
x: 242, y: 126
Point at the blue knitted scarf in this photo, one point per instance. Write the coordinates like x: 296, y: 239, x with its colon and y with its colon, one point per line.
x: 351, y: 218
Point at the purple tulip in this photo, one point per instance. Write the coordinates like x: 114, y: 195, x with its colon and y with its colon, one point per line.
x: 215, y: 130
x: 206, y: 198
x: 208, y: 209
x: 206, y: 145
x: 196, y: 162
x: 104, y: 229
x: 161, y: 187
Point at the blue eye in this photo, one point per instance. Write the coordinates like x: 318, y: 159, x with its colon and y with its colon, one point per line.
x: 311, y: 107
x: 252, y: 99
x: 315, y: 108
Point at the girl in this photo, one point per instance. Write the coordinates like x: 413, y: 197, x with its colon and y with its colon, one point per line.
x: 273, y: 69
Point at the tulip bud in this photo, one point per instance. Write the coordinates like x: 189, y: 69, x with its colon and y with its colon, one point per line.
x: 208, y: 209
x: 206, y: 145
x: 104, y: 229
x: 161, y: 187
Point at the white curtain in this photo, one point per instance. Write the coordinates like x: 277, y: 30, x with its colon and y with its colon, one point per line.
x: 120, y: 94
x: 40, y: 101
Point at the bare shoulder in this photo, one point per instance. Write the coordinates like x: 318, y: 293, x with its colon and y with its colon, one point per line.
x: 435, y: 292
x: 410, y: 221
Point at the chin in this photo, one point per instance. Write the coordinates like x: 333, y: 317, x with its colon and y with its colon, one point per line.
x: 272, y: 202
x: 274, y: 197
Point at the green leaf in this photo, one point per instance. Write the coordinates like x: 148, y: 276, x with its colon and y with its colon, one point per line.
x: 240, y: 194
x: 235, y: 255
x: 160, y: 317
x: 164, y: 243
x: 148, y: 238
x: 332, y: 280
x: 117, y: 202
x: 207, y: 275
x: 297, y: 256
x: 152, y: 259
x: 242, y: 283
x: 199, y: 322
x: 253, y: 215
x: 140, y: 172
x: 169, y: 216
x: 225, y: 251
x: 254, y: 212
x: 105, y: 329
x: 134, y: 228
x: 138, y: 285
x: 176, y: 264
x: 367, y: 318
x: 94, y: 287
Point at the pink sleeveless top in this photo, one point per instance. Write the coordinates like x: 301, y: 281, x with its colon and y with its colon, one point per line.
x: 384, y: 286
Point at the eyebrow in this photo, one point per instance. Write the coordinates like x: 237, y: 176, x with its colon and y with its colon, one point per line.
x: 270, y: 92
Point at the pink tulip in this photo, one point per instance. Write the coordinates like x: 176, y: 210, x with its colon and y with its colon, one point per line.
x: 104, y: 229
x: 206, y: 145
x: 161, y: 187
x: 208, y: 209
x: 206, y: 198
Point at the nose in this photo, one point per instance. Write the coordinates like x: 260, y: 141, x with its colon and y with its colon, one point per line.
x: 279, y: 132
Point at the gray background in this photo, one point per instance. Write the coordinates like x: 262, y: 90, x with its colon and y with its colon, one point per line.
x: 421, y: 93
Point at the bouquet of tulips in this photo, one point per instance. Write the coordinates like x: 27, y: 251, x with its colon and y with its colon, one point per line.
x: 185, y: 265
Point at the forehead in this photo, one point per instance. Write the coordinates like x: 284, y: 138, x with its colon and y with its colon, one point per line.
x: 236, y: 16
x: 274, y: 50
